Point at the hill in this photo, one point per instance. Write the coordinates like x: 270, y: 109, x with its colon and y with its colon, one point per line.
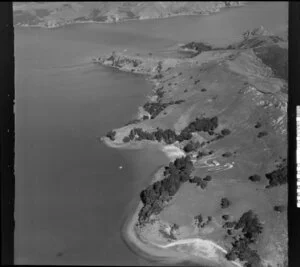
x: 56, y: 14
x: 225, y: 109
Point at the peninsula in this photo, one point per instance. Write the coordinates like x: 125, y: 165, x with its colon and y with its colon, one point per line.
x: 221, y: 116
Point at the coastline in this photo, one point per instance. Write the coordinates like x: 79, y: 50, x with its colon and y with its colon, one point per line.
x: 204, y: 13
x: 164, y: 254
x: 143, y: 239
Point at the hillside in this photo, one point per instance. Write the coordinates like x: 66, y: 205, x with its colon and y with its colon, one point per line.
x: 225, y: 109
x: 56, y: 14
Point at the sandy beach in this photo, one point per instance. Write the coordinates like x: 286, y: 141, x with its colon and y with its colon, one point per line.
x: 200, y: 251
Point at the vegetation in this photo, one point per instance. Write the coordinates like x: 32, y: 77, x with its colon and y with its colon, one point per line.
x: 154, y: 108
x: 169, y: 136
x: 225, y: 217
x: 277, y: 177
x: 261, y: 134
x: 227, y: 154
x: 126, y: 139
x: 255, y: 178
x: 251, y: 228
x: 155, y: 195
x: 203, y: 154
x: 203, y: 90
x: 225, y: 132
x: 257, y: 125
x: 133, y: 121
x: 229, y: 224
x: 279, y: 208
x: 276, y: 58
x: 199, y: 181
x: 225, y: 203
x: 198, y: 220
x: 191, y: 146
x: 207, y: 178
x: 111, y: 135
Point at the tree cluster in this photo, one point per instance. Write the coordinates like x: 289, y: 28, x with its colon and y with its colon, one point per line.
x: 191, y: 146
x: 257, y: 125
x: 255, y: 178
x: 227, y: 154
x: 225, y: 203
x: 111, y: 135
x: 202, y: 182
x: 277, y: 177
x: 279, y: 208
x: 251, y: 228
x: 154, y: 108
x: 154, y: 196
x: 169, y: 136
x: 199, y: 220
x: 204, y: 153
x: 225, y: 132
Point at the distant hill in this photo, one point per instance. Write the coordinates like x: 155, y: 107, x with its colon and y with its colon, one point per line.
x: 56, y: 14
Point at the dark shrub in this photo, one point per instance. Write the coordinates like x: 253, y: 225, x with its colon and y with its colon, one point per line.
x: 225, y: 132
x: 225, y: 203
x: 250, y: 225
x: 179, y: 102
x: 203, y: 90
x: 229, y: 224
x: 279, y: 208
x: 261, y: 134
x: 277, y: 177
x: 227, y: 154
x: 111, y: 135
x: 255, y: 178
x: 191, y: 146
x: 207, y: 178
x: 257, y: 125
x: 225, y: 217
x: 145, y: 117
x: 126, y: 139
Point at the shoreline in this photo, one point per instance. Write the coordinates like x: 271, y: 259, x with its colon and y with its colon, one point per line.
x: 163, y: 253
x: 205, y: 13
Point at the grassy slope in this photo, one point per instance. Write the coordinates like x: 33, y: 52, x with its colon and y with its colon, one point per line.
x: 242, y: 87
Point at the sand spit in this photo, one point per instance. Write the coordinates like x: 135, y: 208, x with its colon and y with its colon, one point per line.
x: 195, y: 250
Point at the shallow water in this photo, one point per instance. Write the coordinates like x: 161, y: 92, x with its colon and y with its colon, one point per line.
x: 71, y: 197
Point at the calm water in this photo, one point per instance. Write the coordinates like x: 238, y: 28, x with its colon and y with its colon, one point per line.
x: 71, y: 197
